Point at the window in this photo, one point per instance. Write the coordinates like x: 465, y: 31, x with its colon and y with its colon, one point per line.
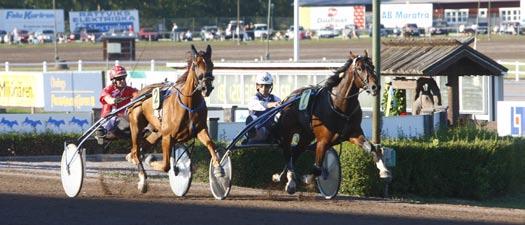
x: 456, y: 16
x: 510, y: 14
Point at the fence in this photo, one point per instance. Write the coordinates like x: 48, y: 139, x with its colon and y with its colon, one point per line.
x: 80, y: 65
x: 516, y: 69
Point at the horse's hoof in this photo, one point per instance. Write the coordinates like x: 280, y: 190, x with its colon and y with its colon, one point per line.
x: 150, y: 159
x: 142, y: 185
x: 276, y: 178
x: 218, y: 171
x: 308, y: 179
x: 130, y: 159
x: 385, y: 174
x: 290, y: 187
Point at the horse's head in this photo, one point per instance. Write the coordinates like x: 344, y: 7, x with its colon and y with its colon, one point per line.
x: 203, y: 67
x: 364, y: 74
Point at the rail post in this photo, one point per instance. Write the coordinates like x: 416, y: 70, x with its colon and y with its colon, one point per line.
x: 80, y: 65
x: 44, y: 66
x: 6, y: 66
x: 213, y: 127
x: 117, y: 62
x: 517, y: 71
x: 152, y: 65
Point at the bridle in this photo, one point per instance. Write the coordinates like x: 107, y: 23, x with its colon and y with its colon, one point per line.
x: 206, y: 77
x: 357, y: 72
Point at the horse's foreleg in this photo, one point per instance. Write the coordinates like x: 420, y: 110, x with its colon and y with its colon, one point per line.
x: 165, y: 164
x: 205, y: 139
x: 320, y: 150
x: 377, y: 154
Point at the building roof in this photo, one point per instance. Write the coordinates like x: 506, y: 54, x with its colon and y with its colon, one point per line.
x: 435, y: 57
x: 369, y: 2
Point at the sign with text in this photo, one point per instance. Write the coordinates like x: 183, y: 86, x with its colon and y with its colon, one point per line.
x: 104, y: 20
x: 327, y: 17
x: 72, y: 91
x: 31, y: 19
x: 23, y: 89
x: 510, y: 118
x: 397, y: 15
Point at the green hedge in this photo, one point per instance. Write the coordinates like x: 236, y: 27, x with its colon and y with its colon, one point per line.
x: 460, y: 163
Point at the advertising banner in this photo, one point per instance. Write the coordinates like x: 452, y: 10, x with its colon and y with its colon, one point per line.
x: 31, y: 19
x: 104, y: 20
x: 48, y: 122
x: 316, y: 18
x: 397, y: 15
x: 72, y: 91
x: 23, y: 89
x: 510, y: 118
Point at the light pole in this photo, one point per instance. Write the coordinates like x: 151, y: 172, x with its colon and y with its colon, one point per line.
x: 268, y: 31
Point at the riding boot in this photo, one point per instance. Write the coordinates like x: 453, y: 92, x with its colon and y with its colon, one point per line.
x: 99, y: 135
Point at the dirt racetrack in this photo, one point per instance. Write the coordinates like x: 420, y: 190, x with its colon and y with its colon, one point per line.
x: 31, y: 193
x: 499, y: 48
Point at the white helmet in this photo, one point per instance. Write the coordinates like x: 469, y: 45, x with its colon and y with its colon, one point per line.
x: 264, y: 78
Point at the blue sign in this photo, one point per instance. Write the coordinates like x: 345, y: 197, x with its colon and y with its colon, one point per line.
x: 104, y: 20
x: 72, y: 91
x: 516, y: 124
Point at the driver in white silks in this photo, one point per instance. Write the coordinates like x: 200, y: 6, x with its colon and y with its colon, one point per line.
x: 263, y: 101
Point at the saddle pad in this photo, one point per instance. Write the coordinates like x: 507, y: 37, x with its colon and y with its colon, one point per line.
x: 305, y: 97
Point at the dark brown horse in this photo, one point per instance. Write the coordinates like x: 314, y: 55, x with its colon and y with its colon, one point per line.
x: 184, y: 114
x: 334, y: 115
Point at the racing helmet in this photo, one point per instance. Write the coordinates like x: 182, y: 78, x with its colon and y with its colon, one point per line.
x: 117, y: 71
x: 264, y: 78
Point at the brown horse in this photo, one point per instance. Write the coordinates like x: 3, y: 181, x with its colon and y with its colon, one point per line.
x: 334, y: 115
x: 184, y: 114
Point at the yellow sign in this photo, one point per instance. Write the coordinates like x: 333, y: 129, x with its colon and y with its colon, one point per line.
x: 20, y: 89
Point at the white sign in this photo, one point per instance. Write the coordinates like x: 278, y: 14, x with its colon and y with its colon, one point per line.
x: 397, y: 15
x: 31, y: 19
x: 510, y: 118
x: 104, y: 20
x: 331, y: 17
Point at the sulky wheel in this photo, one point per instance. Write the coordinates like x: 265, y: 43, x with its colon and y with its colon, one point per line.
x: 72, y: 170
x: 330, y: 179
x: 180, y: 170
x: 221, y: 186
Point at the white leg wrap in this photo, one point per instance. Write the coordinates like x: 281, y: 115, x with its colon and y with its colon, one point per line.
x: 367, y: 146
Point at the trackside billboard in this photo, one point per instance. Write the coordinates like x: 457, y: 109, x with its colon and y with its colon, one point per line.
x: 104, y: 20
x: 336, y: 17
x: 31, y: 19
x: 397, y: 15
x: 510, y: 118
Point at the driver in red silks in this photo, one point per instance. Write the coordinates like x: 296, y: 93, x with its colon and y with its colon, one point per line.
x: 114, y: 96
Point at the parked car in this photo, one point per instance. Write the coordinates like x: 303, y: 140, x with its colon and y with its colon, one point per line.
x: 148, y: 33
x: 23, y: 36
x: 383, y: 32
x: 327, y: 32
x: 260, y: 30
x: 481, y: 28
x: 439, y: 28
x: 411, y: 30
x: 231, y: 29
x: 46, y: 36
x: 210, y: 33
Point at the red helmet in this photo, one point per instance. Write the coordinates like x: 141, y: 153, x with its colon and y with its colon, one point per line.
x: 117, y: 71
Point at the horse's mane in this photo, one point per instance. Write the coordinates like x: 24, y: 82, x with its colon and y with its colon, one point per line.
x: 335, y: 79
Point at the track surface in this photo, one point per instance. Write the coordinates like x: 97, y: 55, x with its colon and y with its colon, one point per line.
x: 497, y: 48
x: 31, y: 193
